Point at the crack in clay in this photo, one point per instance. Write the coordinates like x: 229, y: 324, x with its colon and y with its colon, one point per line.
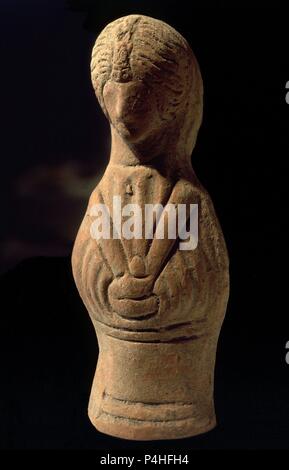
x: 128, y: 402
x: 148, y: 330
x: 139, y: 420
x: 180, y: 340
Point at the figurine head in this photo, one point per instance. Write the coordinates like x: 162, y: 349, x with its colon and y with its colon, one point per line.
x: 148, y: 81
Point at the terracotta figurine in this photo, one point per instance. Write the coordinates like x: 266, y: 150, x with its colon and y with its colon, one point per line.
x: 157, y: 308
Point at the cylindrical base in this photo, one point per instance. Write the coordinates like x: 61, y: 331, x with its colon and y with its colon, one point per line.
x: 155, y: 390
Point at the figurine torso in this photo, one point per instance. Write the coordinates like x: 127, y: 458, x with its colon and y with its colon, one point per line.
x: 180, y: 291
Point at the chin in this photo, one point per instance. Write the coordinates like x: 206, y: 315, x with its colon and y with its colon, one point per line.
x: 132, y: 136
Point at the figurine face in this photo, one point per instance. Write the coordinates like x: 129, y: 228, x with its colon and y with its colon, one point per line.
x: 132, y: 109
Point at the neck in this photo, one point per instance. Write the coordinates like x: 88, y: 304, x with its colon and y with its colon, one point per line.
x: 121, y: 153
x: 161, y: 154
x: 151, y: 152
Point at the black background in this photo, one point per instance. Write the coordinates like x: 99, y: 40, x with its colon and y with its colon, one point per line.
x: 49, y: 117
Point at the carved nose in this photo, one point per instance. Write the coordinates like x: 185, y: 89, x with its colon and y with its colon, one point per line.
x: 119, y: 109
x: 122, y: 106
x: 137, y: 267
